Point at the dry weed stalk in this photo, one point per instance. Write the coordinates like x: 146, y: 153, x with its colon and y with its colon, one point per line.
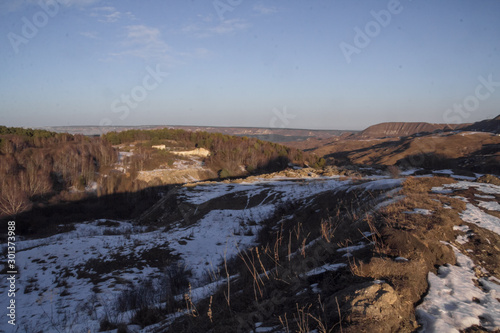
x: 191, y: 308
x: 302, y: 318
x: 355, y: 268
x: 260, y: 262
x: 322, y: 324
x: 228, y: 295
x: 303, y: 250
x: 277, y: 244
x: 252, y: 268
x: 284, y: 323
x: 209, y: 312
x: 340, y: 316
x: 327, y: 230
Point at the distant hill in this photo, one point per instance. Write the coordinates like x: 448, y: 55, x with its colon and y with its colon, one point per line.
x: 418, y: 144
x: 488, y: 125
x: 394, y: 129
x: 402, y: 129
x: 261, y: 133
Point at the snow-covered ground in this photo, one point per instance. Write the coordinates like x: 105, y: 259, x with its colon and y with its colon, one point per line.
x: 52, y: 297
x: 454, y: 301
x: 286, y: 188
x: 473, y: 214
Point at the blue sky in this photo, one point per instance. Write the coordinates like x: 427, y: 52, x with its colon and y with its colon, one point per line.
x: 336, y: 64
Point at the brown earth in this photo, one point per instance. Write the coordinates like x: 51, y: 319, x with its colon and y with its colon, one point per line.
x: 463, y: 150
x: 376, y: 292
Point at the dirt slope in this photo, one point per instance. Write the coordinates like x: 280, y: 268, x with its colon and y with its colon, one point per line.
x: 465, y: 150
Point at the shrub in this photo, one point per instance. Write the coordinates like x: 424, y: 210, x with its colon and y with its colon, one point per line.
x: 224, y: 173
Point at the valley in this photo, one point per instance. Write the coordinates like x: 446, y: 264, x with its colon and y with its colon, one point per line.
x: 193, y: 232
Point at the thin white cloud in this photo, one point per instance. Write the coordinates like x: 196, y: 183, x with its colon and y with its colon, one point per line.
x: 264, y: 10
x: 104, y: 9
x: 109, y: 14
x: 16, y: 5
x: 90, y: 34
x: 144, y: 42
x: 141, y: 34
x: 198, y: 53
x: 207, y: 28
x: 79, y: 3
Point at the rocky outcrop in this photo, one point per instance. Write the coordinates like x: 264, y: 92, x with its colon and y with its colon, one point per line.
x: 489, y: 179
x: 202, y: 152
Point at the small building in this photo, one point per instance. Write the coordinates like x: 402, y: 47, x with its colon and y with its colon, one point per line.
x: 161, y: 147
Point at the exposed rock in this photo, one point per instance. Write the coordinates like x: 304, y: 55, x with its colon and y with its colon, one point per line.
x: 376, y: 301
x: 370, y: 307
x: 202, y: 152
x: 489, y: 179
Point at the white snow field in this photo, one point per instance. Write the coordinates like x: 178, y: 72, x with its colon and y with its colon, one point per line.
x: 454, y: 301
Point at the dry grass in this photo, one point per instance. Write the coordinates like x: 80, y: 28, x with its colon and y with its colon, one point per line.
x: 272, y: 288
x: 414, y: 185
x: 328, y: 230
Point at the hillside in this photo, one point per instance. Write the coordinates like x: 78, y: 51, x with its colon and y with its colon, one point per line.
x: 398, y: 129
x: 418, y: 145
x: 177, y: 231
x: 295, y: 251
x: 488, y: 125
x: 466, y: 150
x: 39, y: 168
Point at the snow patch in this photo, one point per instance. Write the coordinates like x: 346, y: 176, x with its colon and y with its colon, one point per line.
x: 325, y: 268
x: 490, y: 205
x: 473, y: 214
x: 454, y: 302
x: 419, y: 211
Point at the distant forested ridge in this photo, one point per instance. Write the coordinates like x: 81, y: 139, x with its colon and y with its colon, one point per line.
x: 228, y: 153
x: 40, y: 168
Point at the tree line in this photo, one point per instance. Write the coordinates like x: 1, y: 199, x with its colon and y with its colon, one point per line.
x: 37, y: 165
